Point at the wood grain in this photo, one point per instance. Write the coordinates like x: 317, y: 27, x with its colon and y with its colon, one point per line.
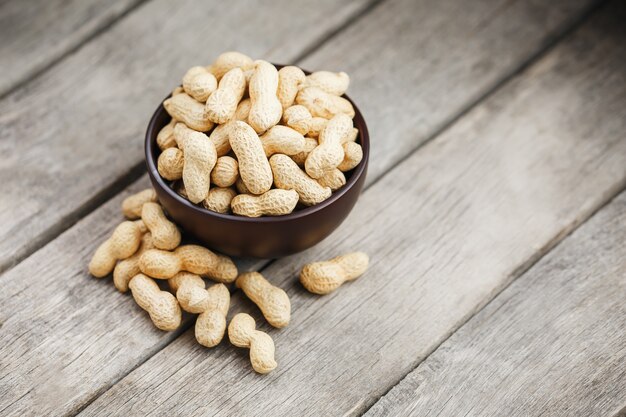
x: 77, y: 130
x: 553, y: 343
x: 36, y: 34
x: 447, y: 230
x: 410, y: 75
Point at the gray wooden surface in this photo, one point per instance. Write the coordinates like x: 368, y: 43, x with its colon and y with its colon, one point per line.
x: 517, y: 161
x: 552, y: 344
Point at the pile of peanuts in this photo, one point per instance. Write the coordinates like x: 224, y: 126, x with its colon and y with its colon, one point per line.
x: 266, y: 139
x: 146, y: 248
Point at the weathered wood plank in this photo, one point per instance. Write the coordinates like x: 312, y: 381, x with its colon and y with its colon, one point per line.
x: 447, y: 230
x: 81, y: 123
x: 35, y: 34
x: 553, y: 343
x: 426, y: 71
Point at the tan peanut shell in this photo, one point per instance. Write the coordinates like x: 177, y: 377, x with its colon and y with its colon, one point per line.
x: 289, y: 176
x: 200, y: 157
x: 309, y: 145
x: 325, y: 277
x: 271, y: 300
x: 225, y: 172
x: 170, y: 164
x: 351, y: 136
x: 323, y: 104
x: 132, y: 205
x: 289, y: 80
x: 219, y: 137
x: 298, y: 118
x: 211, y: 304
x: 317, y: 125
x: 222, y: 104
x: 122, y: 244
x: 184, y: 108
x: 242, y: 333
x: 162, y: 306
x: 265, y: 109
x: 162, y: 264
x: 178, y: 90
x: 243, y: 110
x: 241, y: 187
x: 272, y: 203
x: 229, y: 60
x: 219, y: 199
x: 282, y: 139
x: 199, y: 83
x: 331, y: 82
x: 329, y: 153
x: 165, y: 137
x: 333, y: 179
x: 254, y: 168
x: 127, y: 268
x: 165, y: 234
x: 353, y: 154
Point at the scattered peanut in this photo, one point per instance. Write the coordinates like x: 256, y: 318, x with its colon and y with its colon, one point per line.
x: 272, y: 203
x: 200, y: 158
x: 322, y: 104
x: 219, y: 199
x: 162, y: 264
x: 242, y: 333
x: 189, y: 111
x: 353, y: 154
x: 122, y: 244
x: 298, y: 118
x: 282, y: 139
x: 325, y: 277
x: 289, y: 176
x: 127, y: 268
x: 329, y: 154
x: 170, y: 164
x: 254, y: 168
x: 265, y: 110
x: 199, y: 83
x: 333, y: 179
x: 289, y: 80
x: 165, y: 234
x: 162, y: 306
x: 331, y: 82
x: 225, y: 172
x: 222, y: 103
x: 132, y: 205
x: 272, y: 301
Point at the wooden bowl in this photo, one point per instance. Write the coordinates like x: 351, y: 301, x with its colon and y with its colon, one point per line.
x: 262, y: 237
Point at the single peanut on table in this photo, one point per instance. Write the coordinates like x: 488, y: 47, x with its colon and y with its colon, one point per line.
x: 325, y: 277
x: 122, y: 244
x: 132, y: 205
x: 165, y: 234
x: 162, y: 306
x: 242, y: 333
x: 127, y: 268
x: 272, y: 301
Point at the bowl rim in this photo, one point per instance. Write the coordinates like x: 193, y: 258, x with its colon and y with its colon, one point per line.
x: 357, y: 172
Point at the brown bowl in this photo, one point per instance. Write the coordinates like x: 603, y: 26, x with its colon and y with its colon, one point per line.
x: 262, y: 237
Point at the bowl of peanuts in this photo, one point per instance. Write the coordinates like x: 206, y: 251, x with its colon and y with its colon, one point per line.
x: 255, y: 159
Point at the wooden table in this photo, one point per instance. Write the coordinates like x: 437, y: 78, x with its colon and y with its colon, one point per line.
x: 494, y: 211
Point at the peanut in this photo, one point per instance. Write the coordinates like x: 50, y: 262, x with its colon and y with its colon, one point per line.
x: 225, y: 172
x: 222, y: 104
x: 351, y: 136
x: 165, y: 234
x: 184, y: 108
x: 127, y: 268
x: 242, y: 333
x: 219, y: 199
x: 289, y: 80
x: 272, y: 203
x: 353, y: 154
x: 212, y: 305
x: 298, y: 118
x: 243, y: 110
x: 162, y: 306
x: 178, y: 90
x: 170, y: 164
x: 309, y: 145
x: 325, y: 277
x: 254, y: 169
x: 200, y: 158
x: 219, y: 136
x: 199, y: 83
x: 322, y: 104
x: 282, y: 139
x: 329, y: 153
x: 289, y: 176
x: 165, y: 137
x: 265, y: 110
x: 229, y: 60
x: 331, y: 82
x: 162, y: 264
x: 132, y: 205
x: 333, y: 179
x: 272, y: 301
x: 122, y: 244
x: 241, y: 187
x: 317, y: 125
